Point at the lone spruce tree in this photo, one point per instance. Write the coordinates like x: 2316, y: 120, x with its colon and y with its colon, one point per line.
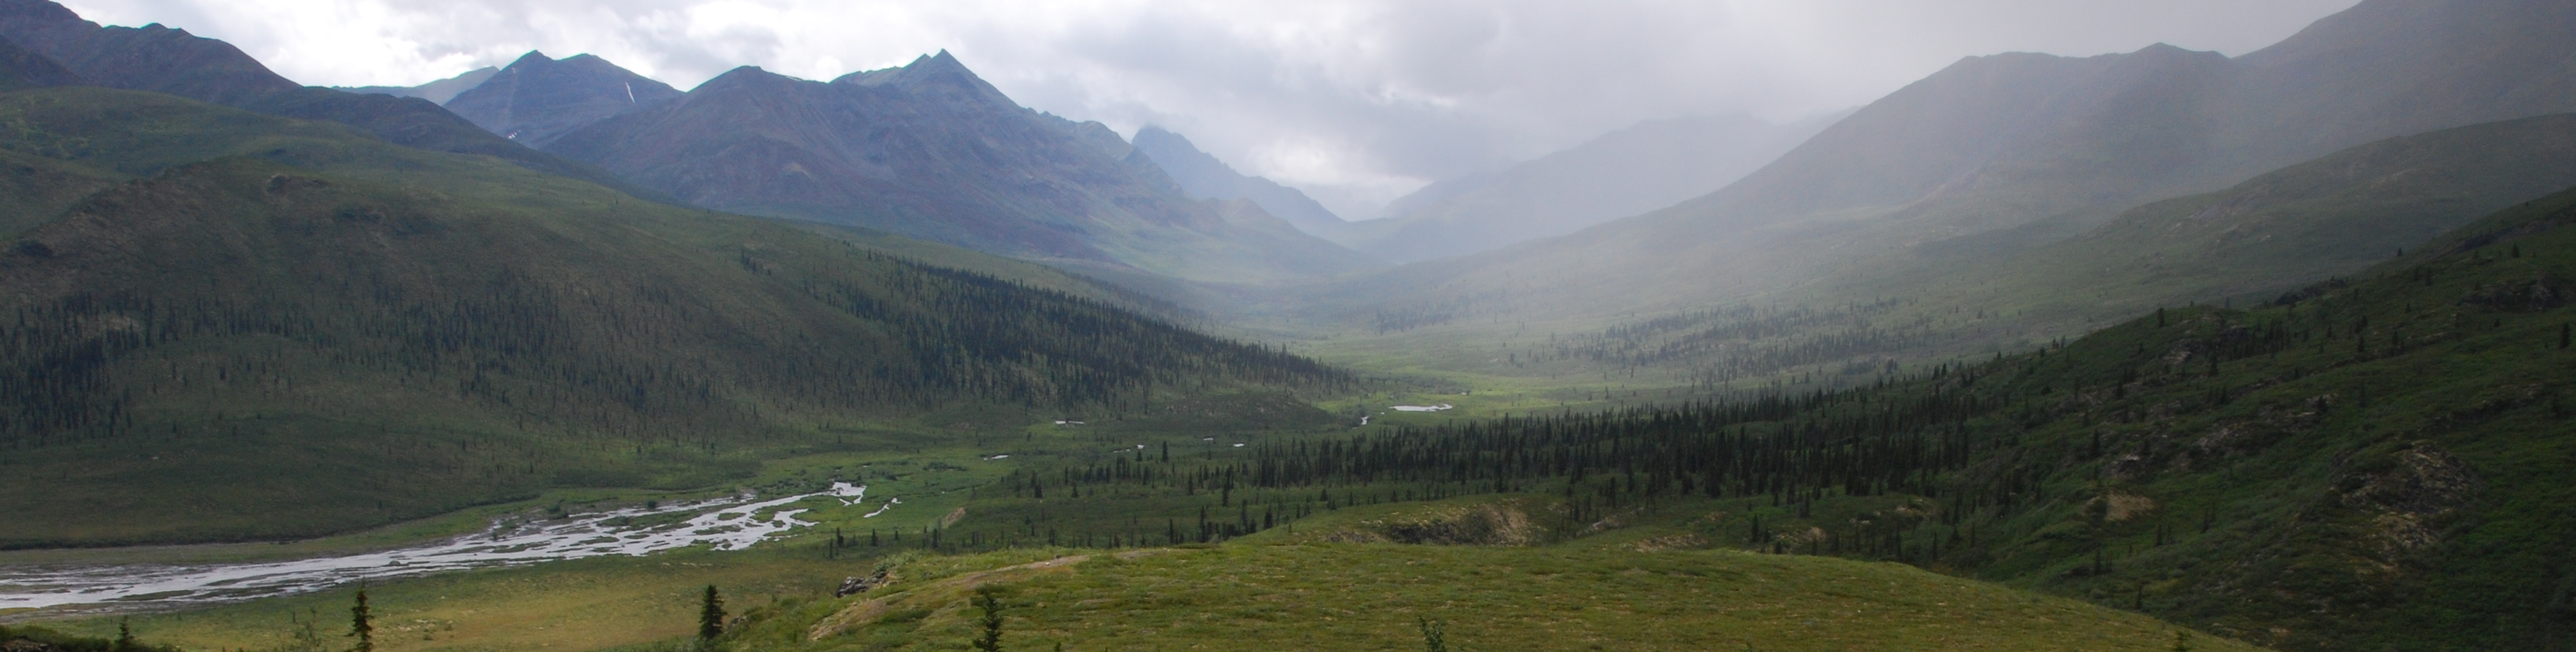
x: 359, y: 628
x: 985, y: 599
x: 710, y: 615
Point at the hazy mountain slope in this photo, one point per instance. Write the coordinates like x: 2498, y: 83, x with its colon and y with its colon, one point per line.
x: 164, y: 60
x: 317, y: 331
x: 1626, y: 172
x: 2290, y: 227
x: 1204, y: 177
x: 931, y: 151
x: 2013, y: 140
x: 538, y: 99
x: 437, y: 92
x: 20, y: 68
x: 2389, y: 67
x: 2016, y: 288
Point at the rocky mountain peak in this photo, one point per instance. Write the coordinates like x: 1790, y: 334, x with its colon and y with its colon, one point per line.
x: 538, y: 98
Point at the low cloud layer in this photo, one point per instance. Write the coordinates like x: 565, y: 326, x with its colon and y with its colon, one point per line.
x: 1356, y: 101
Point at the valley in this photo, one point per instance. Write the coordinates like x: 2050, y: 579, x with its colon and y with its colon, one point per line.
x: 2163, y: 349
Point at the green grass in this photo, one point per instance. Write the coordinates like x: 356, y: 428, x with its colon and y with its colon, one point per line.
x: 584, y: 604
x: 1341, y: 596
x: 1373, y: 597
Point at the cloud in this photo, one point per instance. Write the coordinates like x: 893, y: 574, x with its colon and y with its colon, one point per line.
x: 1359, y: 101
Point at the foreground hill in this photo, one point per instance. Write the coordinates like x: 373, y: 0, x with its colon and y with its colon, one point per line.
x: 1560, y: 598
x: 263, y: 327
x: 932, y: 151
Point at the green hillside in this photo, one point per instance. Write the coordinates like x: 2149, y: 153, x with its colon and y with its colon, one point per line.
x: 275, y: 328
x: 2367, y: 463
x: 2362, y: 464
x: 1376, y: 596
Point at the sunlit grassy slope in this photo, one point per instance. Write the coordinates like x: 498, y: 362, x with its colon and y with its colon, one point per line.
x: 1319, y: 596
x: 1374, y: 596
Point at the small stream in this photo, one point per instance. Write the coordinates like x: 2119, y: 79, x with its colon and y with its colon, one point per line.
x: 722, y: 524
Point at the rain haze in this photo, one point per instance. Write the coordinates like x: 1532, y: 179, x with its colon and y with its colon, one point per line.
x: 1355, y: 102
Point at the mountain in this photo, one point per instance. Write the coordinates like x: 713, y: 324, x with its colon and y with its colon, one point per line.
x: 20, y: 68
x: 538, y: 99
x: 164, y: 60
x: 2015, y: 140
x: 1203, y: 176
x: 1627, y: 172
x: 437, y: 92
x: 2015, y: 288
x: 263, y: 327
x: 930, y: 150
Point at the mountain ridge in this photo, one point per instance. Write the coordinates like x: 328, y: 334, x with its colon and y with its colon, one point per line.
x: 537, y: 99
x: 437, y: 92
x: 1203, y: 176
x: 162, y: 59
x: 932, y: 151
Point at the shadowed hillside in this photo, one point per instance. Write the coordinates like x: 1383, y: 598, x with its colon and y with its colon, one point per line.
x: 302, y: 329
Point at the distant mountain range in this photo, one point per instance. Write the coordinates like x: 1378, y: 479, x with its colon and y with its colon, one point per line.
x: 436, y: 92
x: 2004, y: 141
x: 932, y: 151
x: 164, y: 60
x: 1626, y: 172
x: 928, y: 150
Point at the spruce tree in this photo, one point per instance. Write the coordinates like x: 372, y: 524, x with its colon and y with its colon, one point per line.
x: 359, y: 628
x: 124, y: 637
x: 711, y: 615
x: 991, y: 640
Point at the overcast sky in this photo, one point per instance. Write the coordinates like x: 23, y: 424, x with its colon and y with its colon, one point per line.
x: 1357, y: 102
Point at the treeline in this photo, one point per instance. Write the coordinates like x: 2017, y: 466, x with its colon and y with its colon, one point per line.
x: 659, y: 362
